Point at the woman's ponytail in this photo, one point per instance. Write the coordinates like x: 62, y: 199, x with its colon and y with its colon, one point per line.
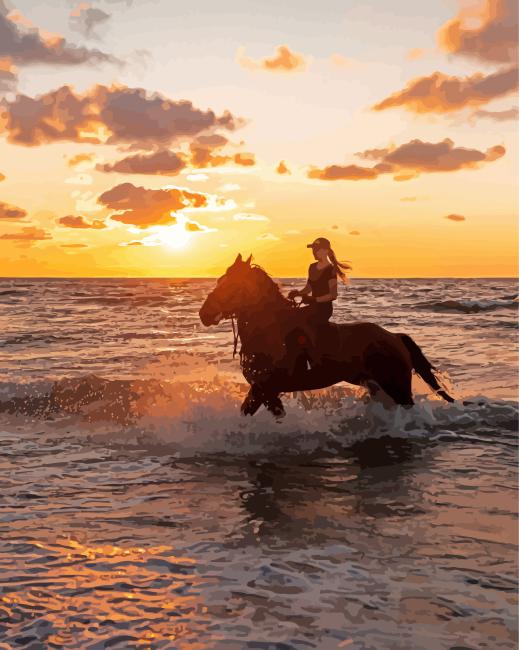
x: 340, y: 267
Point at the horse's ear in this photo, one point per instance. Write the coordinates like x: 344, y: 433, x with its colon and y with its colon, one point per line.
x: 249, y: 259
x: 238, y: 258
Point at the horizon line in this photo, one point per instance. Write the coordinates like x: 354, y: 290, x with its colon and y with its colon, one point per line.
x: 280, y: 277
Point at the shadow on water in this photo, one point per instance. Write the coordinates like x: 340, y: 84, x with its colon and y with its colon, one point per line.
x: 326, y: 500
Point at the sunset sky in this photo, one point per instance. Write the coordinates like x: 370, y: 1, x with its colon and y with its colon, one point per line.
x: 159, y: 138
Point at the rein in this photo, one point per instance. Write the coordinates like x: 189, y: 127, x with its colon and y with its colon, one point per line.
x: 235, y: 336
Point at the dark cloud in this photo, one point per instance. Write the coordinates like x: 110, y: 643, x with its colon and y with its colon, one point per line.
x: 25, y: 44
x: 115, y: 115
x: 165, y: 163
x: 71, y: 221
x: 144, y: 207
x: 455, y: 217
x: 441, y: 93
x: 284, y: 60
x: 84, y: 19
x: 27, y: 235
x: 372, y: 154
x: 486, y: 30
x: 9, y: 212
x: 411, y: 159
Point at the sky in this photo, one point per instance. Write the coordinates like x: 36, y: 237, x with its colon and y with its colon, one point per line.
x: 157, y: 138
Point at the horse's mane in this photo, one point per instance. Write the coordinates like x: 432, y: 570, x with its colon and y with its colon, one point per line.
x: 271, y: 288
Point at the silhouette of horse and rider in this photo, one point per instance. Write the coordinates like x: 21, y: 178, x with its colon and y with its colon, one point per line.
x: 288, y: 347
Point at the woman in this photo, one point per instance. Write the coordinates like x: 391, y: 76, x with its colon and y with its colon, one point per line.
x: 321, y: 287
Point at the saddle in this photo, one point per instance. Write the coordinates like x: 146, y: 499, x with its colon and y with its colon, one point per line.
x: 313, y: 344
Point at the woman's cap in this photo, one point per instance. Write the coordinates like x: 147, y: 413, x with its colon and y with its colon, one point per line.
x: 320, y: 242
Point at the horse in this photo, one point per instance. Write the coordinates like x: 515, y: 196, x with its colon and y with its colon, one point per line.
x: 275, y: 340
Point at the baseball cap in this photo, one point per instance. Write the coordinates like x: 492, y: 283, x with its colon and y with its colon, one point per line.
x: 320, y: 242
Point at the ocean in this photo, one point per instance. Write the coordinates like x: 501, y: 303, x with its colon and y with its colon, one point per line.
x: 138, y: 509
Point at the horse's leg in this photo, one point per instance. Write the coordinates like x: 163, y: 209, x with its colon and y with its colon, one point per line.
x: 252, y: 401
x: 392, y: 375
x: 258, y: 395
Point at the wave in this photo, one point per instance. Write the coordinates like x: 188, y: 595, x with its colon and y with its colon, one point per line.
x: 193, y: 417
x: 471, y: 306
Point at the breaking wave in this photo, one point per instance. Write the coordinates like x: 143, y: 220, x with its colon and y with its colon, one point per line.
x: 191, y: 416
x: 471, y: 306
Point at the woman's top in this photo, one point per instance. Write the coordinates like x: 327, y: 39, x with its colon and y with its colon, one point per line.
x: 319, y: 279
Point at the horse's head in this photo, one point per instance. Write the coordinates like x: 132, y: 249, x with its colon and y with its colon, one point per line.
x: 237, y: 289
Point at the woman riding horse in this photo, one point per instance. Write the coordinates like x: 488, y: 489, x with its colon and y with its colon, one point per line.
x: 363, y: 354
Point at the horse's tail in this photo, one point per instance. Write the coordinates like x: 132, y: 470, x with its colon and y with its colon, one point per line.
x: 423, y: 366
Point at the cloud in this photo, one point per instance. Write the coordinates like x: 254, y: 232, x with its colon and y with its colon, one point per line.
x: 244, y: 159
x: 70, y: 221
x: 74, y: 245
x: 2, y: 177
x: 485, y: 30
x: 268, y: 236
x: 408, y: 199
x: 455, y: 217
x: 411, y: 159
x: 163, y: 162
x: 9, y: 212
x: 284, y: 60
x: 197, y: 177
x: 113, y: 115
x: 84, y: 19
x: 282, y: 168
x: 354, y: 232
x: 144, y: 207
x: 498, y: 116
x: 229, y: 187
x: 249, y: 216
x: 343, y: 172
x: 372, y: 154
x: 8, y: 75
x: 24, y: 44
x: 415, y: 53
x: 342, y: 61
x: 27, y: 235
x: 85, y: 160
x: 441, y: 93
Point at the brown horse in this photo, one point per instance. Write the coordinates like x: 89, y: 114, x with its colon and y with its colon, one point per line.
x: 275, y: 338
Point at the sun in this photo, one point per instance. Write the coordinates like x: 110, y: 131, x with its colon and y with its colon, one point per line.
x: 175, y: 236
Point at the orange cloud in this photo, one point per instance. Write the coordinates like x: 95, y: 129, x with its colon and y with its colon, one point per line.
x: 441, y: 93
x: 343, y: 172
x: 354, y: 232
x: 342, y: 61
x: 81, y: 158
x: 143, y: 207
x: 411, y: 159
x: 282, y: 168
x: 9, y: 212
x: 71, y: 221
x: 455, y: 217
x: 2, y: 177
x: 27, y: 235
x: 485, y: 30
x: 112, y: 115
x: 8, y: 75
x: 415, y: 53
x: 163, y: 162
x: 245, y: 159
x: 74, y: 245
x: 284, y: 60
